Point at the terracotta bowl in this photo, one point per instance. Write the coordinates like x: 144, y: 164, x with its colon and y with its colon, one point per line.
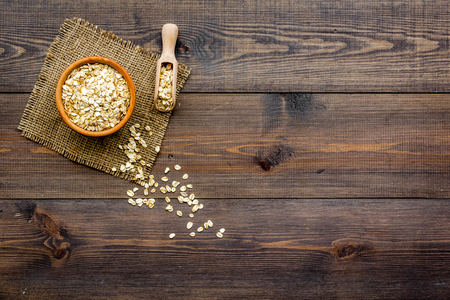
x: 62, y: 80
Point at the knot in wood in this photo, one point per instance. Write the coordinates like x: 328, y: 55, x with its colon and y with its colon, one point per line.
x: 348, y: 249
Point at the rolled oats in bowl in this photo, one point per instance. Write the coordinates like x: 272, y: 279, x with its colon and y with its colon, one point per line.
x: 95, y: 96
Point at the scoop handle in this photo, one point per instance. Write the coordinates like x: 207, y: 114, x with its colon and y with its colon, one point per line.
x: 169, y: 39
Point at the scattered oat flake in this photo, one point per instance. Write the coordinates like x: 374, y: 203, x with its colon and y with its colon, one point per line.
x: 222, y: 230
x: 175, y: 183
x: 189, y: 186
x: 189, y: 225
x: 219, y: 235
x: 130, y: 193
x: 157, y: 149
x: 147, y: 128
x: 191, y: 215
x: 177, y: 167
x: 179, y: 213
x: 165, y: 178
x: 200, y: 229
x: 171, y: 236
x: 192, y: 234
x: 185, y: 176
x: 131, y: 201
x: 166, y: 170
x: 135, y: 189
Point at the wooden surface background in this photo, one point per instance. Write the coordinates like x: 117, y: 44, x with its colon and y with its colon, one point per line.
x: 316, y: 133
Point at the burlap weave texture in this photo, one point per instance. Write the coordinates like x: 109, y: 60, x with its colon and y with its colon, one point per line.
x: 42, y: 123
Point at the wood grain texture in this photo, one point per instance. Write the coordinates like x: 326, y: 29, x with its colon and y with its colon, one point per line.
x: 240, y: 46
x: 272, y: 249
x: 311, y: 131
x: 264, y: 146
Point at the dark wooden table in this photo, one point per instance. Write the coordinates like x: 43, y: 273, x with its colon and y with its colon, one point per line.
x: 316, y: 133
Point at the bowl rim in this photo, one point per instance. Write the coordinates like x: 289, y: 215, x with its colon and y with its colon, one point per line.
x: 62, y: 80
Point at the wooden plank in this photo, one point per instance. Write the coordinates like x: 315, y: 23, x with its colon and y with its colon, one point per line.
x: 240, y: 46
x: 273, y: 248
x: 264, y: 146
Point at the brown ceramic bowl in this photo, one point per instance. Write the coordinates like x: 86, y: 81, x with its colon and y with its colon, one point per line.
x: 88, y: 60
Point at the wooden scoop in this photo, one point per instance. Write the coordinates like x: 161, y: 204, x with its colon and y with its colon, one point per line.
x: 169, y: 39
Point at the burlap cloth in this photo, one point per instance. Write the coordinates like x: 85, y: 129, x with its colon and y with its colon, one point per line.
x: 42, y: 123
